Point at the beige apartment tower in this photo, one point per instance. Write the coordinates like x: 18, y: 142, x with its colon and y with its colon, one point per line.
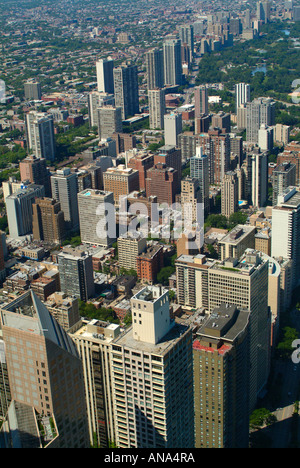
x: 152, y: 377
x: 48, y: 221
x: 229, y: 194
x: 129, y: 248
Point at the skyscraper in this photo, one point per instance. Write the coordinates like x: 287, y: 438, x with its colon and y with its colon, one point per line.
x: 97, y: 99
x: 242, y: 94
x: 199, y: 169
x: 186, y: 35
x: 19, y: 209
x: 259, y: 179
x: 109, y: 121
x: 258, y: 112
x: 94, y: 228
x: 173, y: 128
x: 105, y: 80
x: 201, y: 101
x: 44, y: 400
x: 221, y: 353
x: 127, y: 90
x: 172, y: 62
x: 35, y: 170
x: 64, y: 186
x: 32, y: 90
x: 283, y: 177
x: 152, y: 377
x: 229, y: 194
x: 157, y: 108
x: 40, y: 134
x: 76, y: 273
x: 244, y: 283
x: 285, y: 229
x: 155, y: 68
x: 48, y: 222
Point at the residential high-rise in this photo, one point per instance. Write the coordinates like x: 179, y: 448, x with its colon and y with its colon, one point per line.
x: 40, y: 134
x: 229, y: 194
x: 98, y: 99
x: 186, y: 35
x: 120, y: 181
x: 244, y: 283
x: 258, y: 112
x: 155, y: 68
x: 234, y: 244
x: 173, y: 128
x: 152, y: 377
x: 217, y: 147
x: 94, y: 339
x: 221, y: 353
x: 109, y: 121
x: 190, y: 201
x: 170, y: 156
x: 35, y: 170
x: 242, y: 94
x: 48, y: 221
x: 76, y: 273
x: 64, y: 186
x: 141, y: 162
x: 192, y: 281
x: 32, y: 90
x: 162, y: 182
x: 105, y: 80
x: 263, y: 11
x: 94, y: 224
x: 201, y: 101
x: 283, y: 177
x: 172, y: 62
x: 129, y: 248
x: 65, y: 309
x: 222, y: 121
x: 19, y: 209
x: 157, y: 108
x: 199, y: 169
x: 266, y: 138
x: 127, y: 90
x: 48, y: 407
x: 259, y: 179
x: 285, y: 229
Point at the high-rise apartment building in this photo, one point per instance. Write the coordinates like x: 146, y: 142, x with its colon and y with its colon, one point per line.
x: 64, y: 186
x: 48, y: 221
x: 127, y: 90
x: 199, y: 169
x: 266, y: 138
x: 221, y: 353
x: 40, y: 134
x: 94, y: 339
x: 244, y: 283
x: 283, y: 177
x: 259, y: 179
x: 48, y: 407
x: 141, y: 161
x: 109, y: 121
x: 35, y: 170
x: 263, y: 11
x: 120, y: 181
x: 65, y: 309
x: 157, y: 108
x: 162, y: 182
x: 192, y: 281
x: 229, y: 194
x: 170, y: 156
x: 222, y: 121
x: 32, y: 90
x: 285, y: 229
x: 155, y: 68
x: 234, y: 244
x: 242, y: 94
x: 190, y: 201
x: 98, y: 99
x: 186, y: 36
x: 173, y: 128
x: 217, y: 147
x: 94, y: 223
x: 105, y: 77
x: 201, y: 101
x: 19, y: 209
x: 76, y: 273
x: 152, y: 377
x: 172, y: 62
x: 129, y: 248
x: 260, y: 111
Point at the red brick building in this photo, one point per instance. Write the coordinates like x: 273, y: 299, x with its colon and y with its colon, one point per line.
x: 149, y: 263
